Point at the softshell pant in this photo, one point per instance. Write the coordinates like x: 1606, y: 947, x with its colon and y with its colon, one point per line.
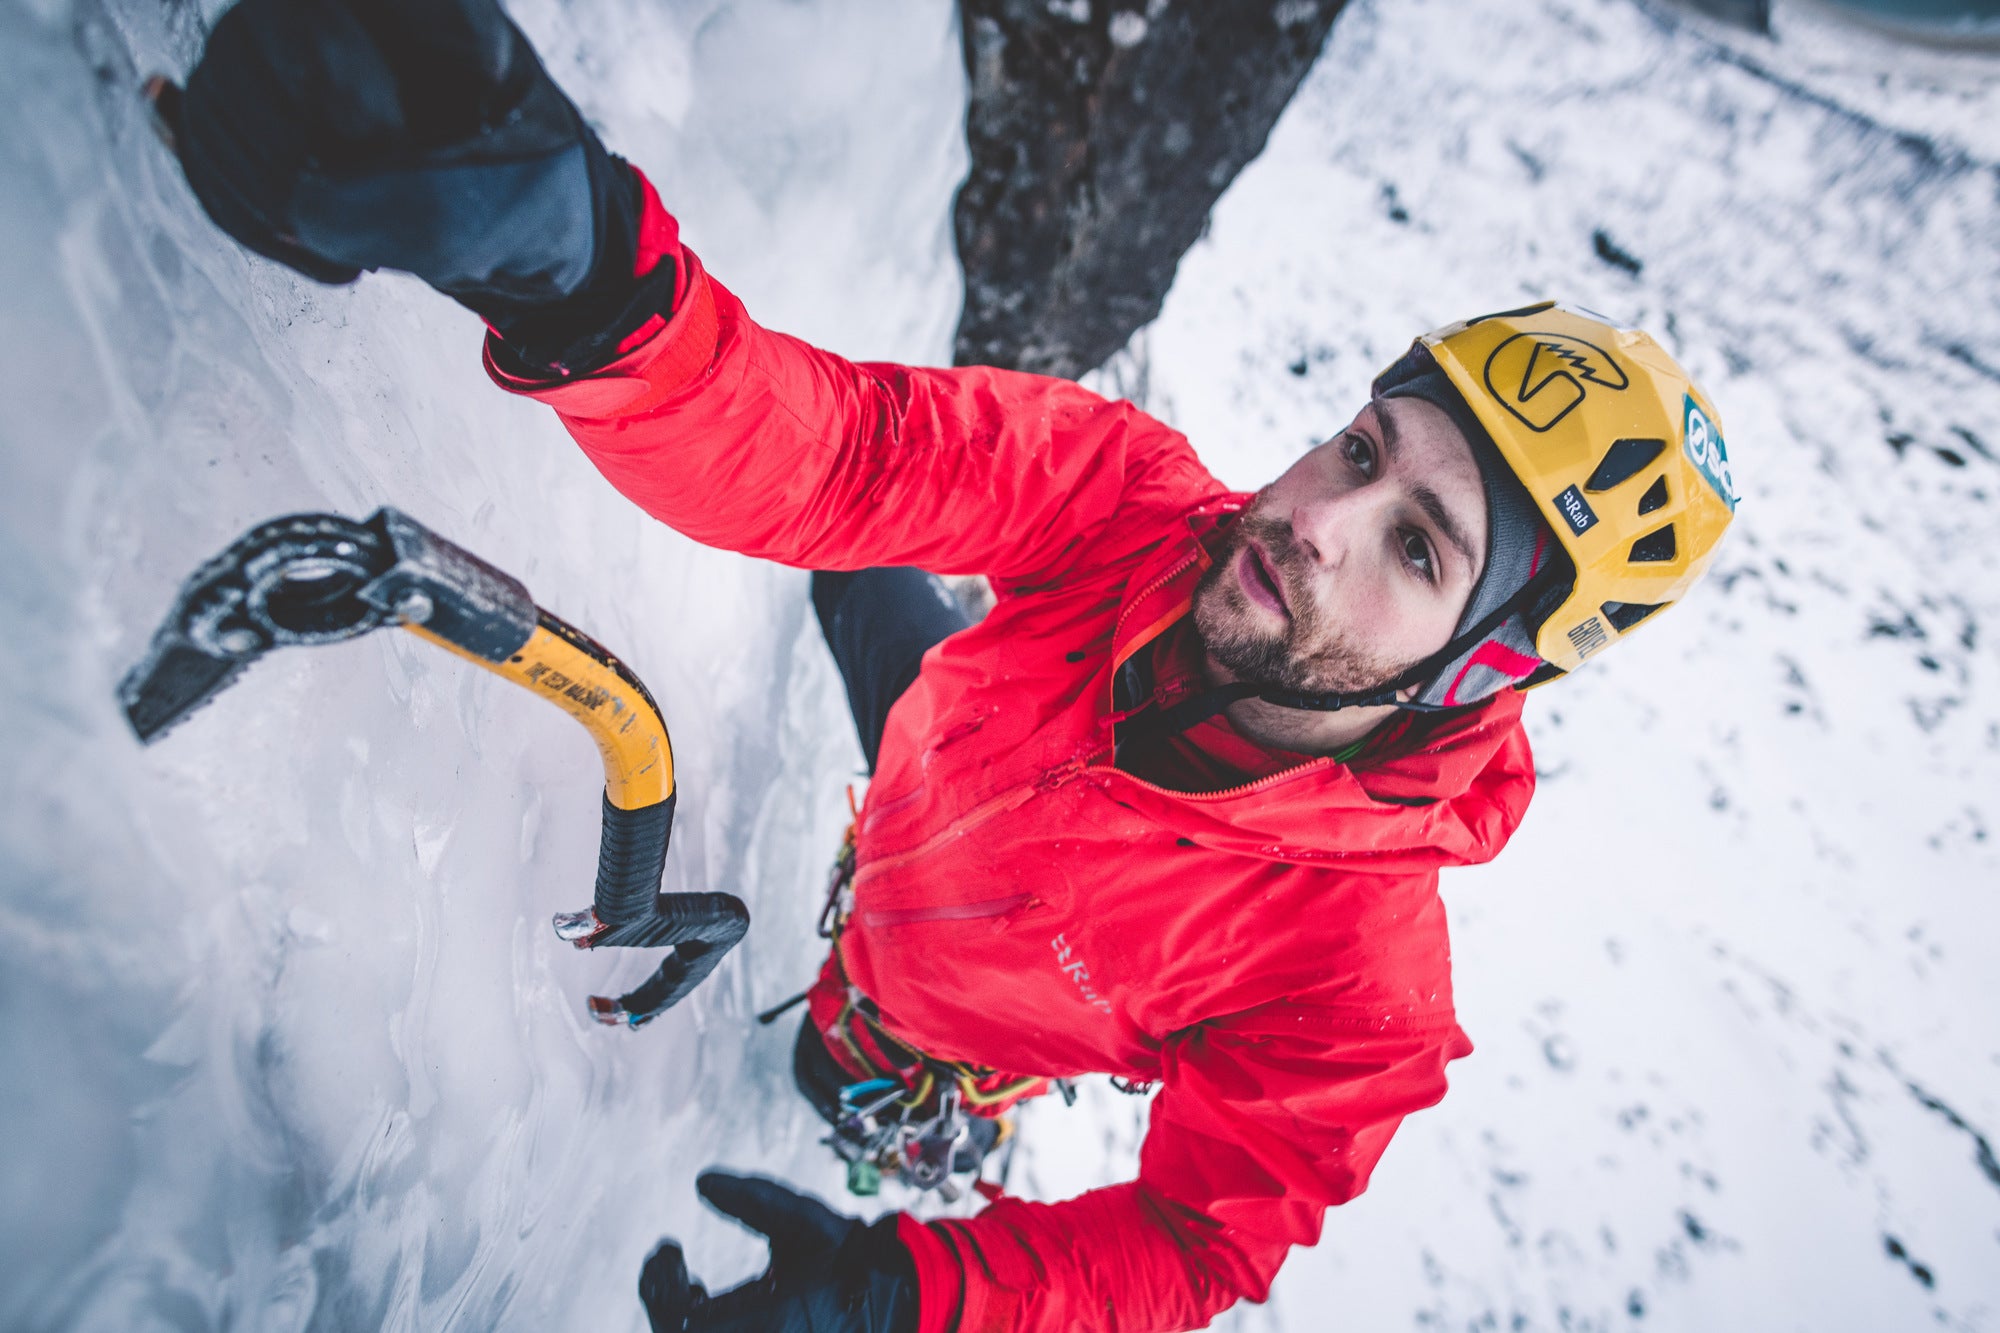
x: 879, y: 623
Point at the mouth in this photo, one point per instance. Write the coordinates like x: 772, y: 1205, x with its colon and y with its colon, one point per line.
x: 1260, y: 580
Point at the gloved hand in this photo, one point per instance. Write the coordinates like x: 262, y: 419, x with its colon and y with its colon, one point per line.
x: 424, y: 135
x: 828, y: 1273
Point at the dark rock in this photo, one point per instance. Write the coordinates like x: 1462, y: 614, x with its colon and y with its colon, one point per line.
x: 1615, y: 254
x: 1101, y: 134
x: 1752, y: 14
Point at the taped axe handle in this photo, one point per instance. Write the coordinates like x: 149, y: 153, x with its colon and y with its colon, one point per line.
x: 631, y: 857
x: 699, y: 927
x: 630, y: 911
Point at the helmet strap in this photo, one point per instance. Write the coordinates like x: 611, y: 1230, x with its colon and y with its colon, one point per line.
x: 1199, y: 708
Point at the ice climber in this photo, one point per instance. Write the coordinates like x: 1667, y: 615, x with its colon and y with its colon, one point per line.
x: 1173, y: 811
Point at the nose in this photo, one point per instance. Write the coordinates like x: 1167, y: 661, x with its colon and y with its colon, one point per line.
x: 1327, y: 524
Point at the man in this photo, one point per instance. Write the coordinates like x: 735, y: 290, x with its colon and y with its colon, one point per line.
x: 1173, y: 811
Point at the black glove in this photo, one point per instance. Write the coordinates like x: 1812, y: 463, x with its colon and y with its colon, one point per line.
x: 424, y: 135
x: 828, y: 1273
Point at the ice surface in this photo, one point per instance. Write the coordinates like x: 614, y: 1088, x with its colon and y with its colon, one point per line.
x: 289, y: 1043
x: 289, y: 1040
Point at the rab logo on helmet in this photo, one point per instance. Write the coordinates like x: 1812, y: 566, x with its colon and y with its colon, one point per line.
x: 1541, y: 377
x: 1576, y: 511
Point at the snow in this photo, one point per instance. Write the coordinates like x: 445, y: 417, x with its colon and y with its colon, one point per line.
x: 1747, y: 934
x: 290, y: 1044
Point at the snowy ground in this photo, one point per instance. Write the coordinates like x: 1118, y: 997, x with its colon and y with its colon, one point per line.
x: 289, y: 1044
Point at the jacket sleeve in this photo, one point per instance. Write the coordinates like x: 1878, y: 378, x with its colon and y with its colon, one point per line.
x: 753, y: 441
x: 1261, y: 1124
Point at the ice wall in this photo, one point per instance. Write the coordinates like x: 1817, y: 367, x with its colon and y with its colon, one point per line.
x: 288, y: 1042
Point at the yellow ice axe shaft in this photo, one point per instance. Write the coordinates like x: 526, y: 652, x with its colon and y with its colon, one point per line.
x: 573, y: 672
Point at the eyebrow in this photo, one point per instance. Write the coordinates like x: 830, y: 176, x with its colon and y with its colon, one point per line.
x: 1427, y: 499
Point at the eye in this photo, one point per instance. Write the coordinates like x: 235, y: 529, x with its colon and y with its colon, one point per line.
x: 1417, y: 551
x: 1360, y: 452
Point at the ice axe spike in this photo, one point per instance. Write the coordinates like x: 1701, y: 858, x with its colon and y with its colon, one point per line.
x: 308, y: 579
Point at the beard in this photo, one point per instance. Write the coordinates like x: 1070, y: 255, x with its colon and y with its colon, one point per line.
x: 1307, y: 653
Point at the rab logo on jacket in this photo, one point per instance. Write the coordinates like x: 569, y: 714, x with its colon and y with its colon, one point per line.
x: 1540, y: 377
x: 1078, y: 974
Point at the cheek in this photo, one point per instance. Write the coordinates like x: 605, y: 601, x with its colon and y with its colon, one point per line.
x: 1318, y: 475
x: 1378, y: 615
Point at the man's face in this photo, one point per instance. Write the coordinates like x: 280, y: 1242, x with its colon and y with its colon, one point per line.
x: 1354, y: 565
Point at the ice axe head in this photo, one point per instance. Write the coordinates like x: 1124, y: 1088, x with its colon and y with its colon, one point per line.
x: 297, y: 580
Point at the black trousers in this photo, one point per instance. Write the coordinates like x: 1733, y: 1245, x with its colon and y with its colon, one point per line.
x: 879, y: 623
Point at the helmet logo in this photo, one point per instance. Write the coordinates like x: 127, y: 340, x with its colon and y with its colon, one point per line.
x: 1588, y: 637
x: 1541, y: 377
x: 1704, y: 445
x: 1576, y: 511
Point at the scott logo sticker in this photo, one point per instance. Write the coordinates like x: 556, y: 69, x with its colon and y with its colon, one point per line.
x: 1541, y: 377
x: 1576, y: 511
x: 1704, y: 445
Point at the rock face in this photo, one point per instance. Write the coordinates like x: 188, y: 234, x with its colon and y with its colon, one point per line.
x: 1754, y: 15
x: 1101, y: 134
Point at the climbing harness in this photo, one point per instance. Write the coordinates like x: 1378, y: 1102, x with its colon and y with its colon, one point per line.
x: 913, y: 1117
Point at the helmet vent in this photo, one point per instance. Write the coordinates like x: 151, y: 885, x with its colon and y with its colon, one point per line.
x: 1622, y: 461
x: 1655, y: 496
x: 1655, y: 547
x: 1624, y: 615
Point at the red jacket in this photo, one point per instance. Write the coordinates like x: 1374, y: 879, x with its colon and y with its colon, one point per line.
x: 1274, y: 955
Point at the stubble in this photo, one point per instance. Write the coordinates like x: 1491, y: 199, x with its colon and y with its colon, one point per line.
x: 1306, y: 654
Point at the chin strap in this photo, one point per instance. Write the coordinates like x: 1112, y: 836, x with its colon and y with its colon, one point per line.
x: 1198, y: 708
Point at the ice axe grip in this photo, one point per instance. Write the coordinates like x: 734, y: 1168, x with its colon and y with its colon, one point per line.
x: 631, y: 912
x: 631, y: 857
x: 320, y: 578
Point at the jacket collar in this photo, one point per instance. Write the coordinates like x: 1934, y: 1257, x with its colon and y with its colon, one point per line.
x: 1163, y: 589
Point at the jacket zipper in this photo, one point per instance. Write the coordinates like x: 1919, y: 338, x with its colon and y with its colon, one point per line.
x: 1020, y: 796
x: 978, y: 815
x: 1151, y: 588
x: 910, y: 916
x: 1268, y: 780
x: 992, y: 907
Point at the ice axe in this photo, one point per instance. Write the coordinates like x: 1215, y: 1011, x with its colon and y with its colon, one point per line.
x: 308, y: 579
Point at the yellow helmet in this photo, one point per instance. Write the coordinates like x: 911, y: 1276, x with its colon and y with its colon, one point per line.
x: 1618, y: 457
x: 1620, y: 451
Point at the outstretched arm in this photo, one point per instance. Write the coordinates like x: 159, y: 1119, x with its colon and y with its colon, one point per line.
x: 349, y: 135
x: 747, y: 439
